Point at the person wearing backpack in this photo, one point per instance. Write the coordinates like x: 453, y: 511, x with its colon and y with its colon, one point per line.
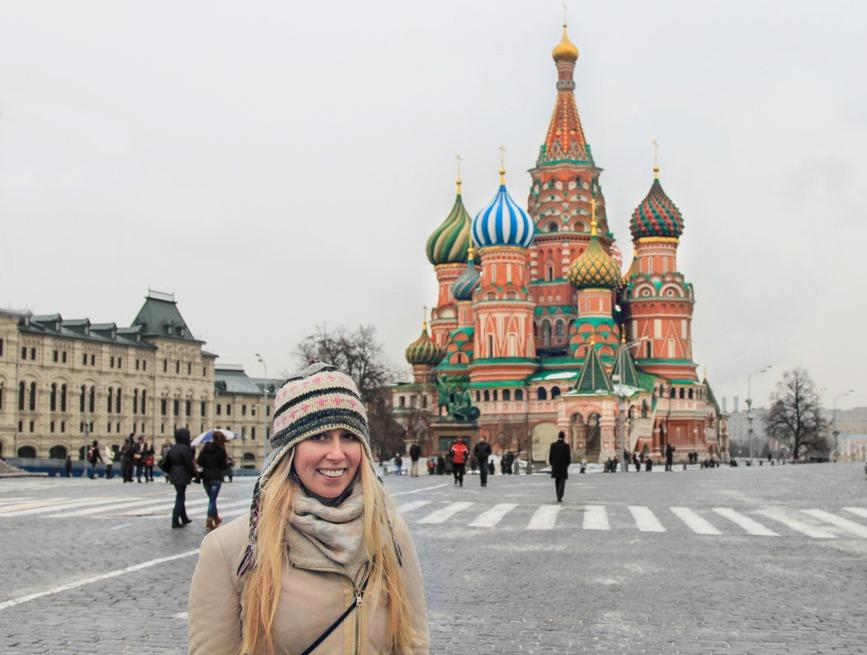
x: 94, y: 457
x: 482, y: 452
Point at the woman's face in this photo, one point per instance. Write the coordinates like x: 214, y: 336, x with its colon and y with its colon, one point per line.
x: 328, y: 462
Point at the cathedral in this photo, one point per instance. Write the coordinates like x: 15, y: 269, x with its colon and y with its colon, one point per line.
x: 538, y: 330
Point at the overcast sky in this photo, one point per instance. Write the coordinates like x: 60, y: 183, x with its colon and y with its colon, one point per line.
x: 278, y: 165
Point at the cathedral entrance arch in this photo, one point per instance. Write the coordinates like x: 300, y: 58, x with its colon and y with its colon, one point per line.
x: 594, y: 438
x: 577, y: 436
x: 544, y: 434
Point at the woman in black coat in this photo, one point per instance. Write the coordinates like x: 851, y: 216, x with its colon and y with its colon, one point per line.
x: 212, y: 464
x: 181, y: 470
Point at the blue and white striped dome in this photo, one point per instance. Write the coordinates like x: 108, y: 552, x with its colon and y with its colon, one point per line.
x: 503, y: 222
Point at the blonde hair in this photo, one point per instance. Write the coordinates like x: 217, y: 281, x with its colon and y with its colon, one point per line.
x: 263, y: 582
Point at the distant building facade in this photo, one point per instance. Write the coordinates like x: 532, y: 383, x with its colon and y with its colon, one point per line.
x: 64, y: 383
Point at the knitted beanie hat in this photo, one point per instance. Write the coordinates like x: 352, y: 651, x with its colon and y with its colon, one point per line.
x: 315, y: 400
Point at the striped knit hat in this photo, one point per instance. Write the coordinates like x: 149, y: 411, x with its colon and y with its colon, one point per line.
x: 312, y: 401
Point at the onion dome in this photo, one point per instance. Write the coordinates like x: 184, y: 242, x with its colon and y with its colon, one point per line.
x: 464, y: 287
x: 657, y: 215
x: 502, y: 222
x: 616, y: 255
x: 423, y: 351
x: 565, y: 50
x: 449, y: 242
x: 595, y: 268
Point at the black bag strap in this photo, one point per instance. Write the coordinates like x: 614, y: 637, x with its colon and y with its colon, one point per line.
x: 355, y: 603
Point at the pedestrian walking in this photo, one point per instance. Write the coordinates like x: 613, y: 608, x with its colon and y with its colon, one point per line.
x: 669, y: 457
x: 636, y: 463
x: 94, y: 457
x: 482, y: 451
x: 126, y: 461
x: 148, y: 453
x: 230, y: 467
x: 138, y: 457
x: 68, y: 466
x: 108, y: 458
x: 491, y: 468
x: 441, y: 465
x: 414, y: 454
x: 559, y: 457
x: 212, y: 463
x: 459, y: 452
x: 398, y: 464
x: 181, y: 470
x: 321, y: 525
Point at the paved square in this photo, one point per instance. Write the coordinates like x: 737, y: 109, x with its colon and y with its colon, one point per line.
x: 746, y: 560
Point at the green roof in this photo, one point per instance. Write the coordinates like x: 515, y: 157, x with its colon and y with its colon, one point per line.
x: 593, y: 378
x: 159, y: 317
x: 624, y: 367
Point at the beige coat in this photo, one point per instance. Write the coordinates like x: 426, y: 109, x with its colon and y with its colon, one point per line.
x: 315, y: 593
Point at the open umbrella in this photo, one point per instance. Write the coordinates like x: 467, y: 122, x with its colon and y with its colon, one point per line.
x: 205, y: 437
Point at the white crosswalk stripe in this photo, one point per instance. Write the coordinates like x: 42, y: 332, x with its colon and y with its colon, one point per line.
x: 412, y: 505
x: 693, y: 521
x: 127, y: 504
x: 645, y: 520
x: 544, y: 518
x: 63, y: 506
x: 595, y: 518
x: 749, y: 525
x: 444, y: 514
x: 45, y: 502
x: 857, y: 511
x: 490, y: 518
x: 794, y: 524
x: 838, y: 522
x: 14, y: 499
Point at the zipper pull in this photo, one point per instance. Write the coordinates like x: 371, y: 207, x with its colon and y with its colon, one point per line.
x: 358, y: 600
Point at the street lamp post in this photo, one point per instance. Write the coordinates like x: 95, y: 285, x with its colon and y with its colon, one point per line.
x: 835, y: 433
x: 264, y: 404
x: 622, y: 413
x: 750, y: 406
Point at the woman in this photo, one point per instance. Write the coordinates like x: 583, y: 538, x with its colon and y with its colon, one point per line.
x: 212, y: 463
x: 148, y: 453
x: 180, y: 470
x: 322, y: 563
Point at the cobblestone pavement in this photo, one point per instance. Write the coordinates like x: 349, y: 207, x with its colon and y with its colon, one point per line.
x: 746, y: 560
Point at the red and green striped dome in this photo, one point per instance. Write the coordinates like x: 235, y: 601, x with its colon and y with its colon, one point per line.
x: 656, y: 216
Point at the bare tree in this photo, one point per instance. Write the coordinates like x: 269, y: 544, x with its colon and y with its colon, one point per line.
x: 795, y: 417
x: 386, y: 434
x: 356, y: 352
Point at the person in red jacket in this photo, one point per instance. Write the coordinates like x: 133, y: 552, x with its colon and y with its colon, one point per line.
x: 459, y: 452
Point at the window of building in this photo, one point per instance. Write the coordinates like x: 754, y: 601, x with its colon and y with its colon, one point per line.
x: 423, y: 401
x: 120, y: 362
x: 144, y: 364
x: 507, y: 395
x: 204, y: 371
x: 253, y: 432
x: 219, y: 409
x: 144, y: 401
x: 84, y: 359
x: 118, y: 401
x: 188, y: 408
x: 33, y: 353
x: 21, y: 426
x: 109, y: 397
x: 1, y: 399
x: 165, y: 366
x: 23, y: 352
x: 267, y: 410
x: 176, y: 407
x: 63, y: 426
x: 93, y: 360
x: 63, y: 358
x: 555, y: 392
x: 243, y: 410
x: 135, y: 401
x: 486, y: 395
x: 56, y: 357
x: 32, y: 396
x: 541, y: 394
x: 51, y: 426
x: 31, y: 426
x: 1, y: 347
x: 490, y: 345
x: 203, y: 408
x: 111, y: 362
x: 519, y: 394
x: 52, y: 398
x: 228, y: 409
x: 401, y: 402
x: 108, y: 427
x: 178, y: 367
x: 189, y: 368
x: 63, y: 398
x: 136, y: 364
x: 163, y: 406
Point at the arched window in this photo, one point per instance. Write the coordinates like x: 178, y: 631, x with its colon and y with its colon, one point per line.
x: 495, y: 395
x: 478, y: 396
x: 27, y: 451
x: 135, y: 401
x: 559, y: 331
x: 21, y: 396
x: 52, y: 398
x: 690, y: 395
x: 83, y: 399
x: 549, y: 272
x: 644, y: 408
x: 681, y: 393
x: 487, y: 395
x: 63, y: 397
x: 57, y: 452
x: 32, y: 396
x: 92, y: 399
x: 541, y: 394
x: 118, y: 401
x: 673, y: 393
x: 507, y: 395
x: 519, y: 394
x: 546, y: 333
x: 555, y: 392
x: 109, y: 397
x: 553, y: 227
x: 144, y: 409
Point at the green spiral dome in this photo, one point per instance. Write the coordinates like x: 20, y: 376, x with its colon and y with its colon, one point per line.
x: 423, y: 351
x: 450, y: 241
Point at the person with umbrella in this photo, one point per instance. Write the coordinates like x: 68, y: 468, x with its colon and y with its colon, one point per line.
x: 212, y: 463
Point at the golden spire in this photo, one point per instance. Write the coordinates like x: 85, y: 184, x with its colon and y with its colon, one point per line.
x: 565, y: 49
x: 502, y: 165
x: 592, y: 340
x: 424, y: 319
x: 655, y: 160
x: 470, y: 253
x: 623, y: 334
x: 458, y: 180
x: 593, y: 217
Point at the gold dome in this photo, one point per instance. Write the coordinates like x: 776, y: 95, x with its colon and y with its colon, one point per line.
x: 565, y: 49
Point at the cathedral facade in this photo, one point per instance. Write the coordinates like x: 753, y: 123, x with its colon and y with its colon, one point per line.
x: 537, y: 330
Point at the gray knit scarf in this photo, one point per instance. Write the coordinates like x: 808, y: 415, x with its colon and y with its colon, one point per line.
x: 335, y: 531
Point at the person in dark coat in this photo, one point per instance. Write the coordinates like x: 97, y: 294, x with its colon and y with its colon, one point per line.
x: 482, y: 451
x: 414, y: 455
x: 126, y: 452
x: 559, y: 457
x: 669, y: 457
x: 181, y: 472
x: 68, y: 466
x: 212, y: 463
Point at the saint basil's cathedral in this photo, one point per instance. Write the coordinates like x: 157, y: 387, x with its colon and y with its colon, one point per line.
x: 537, y: 330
